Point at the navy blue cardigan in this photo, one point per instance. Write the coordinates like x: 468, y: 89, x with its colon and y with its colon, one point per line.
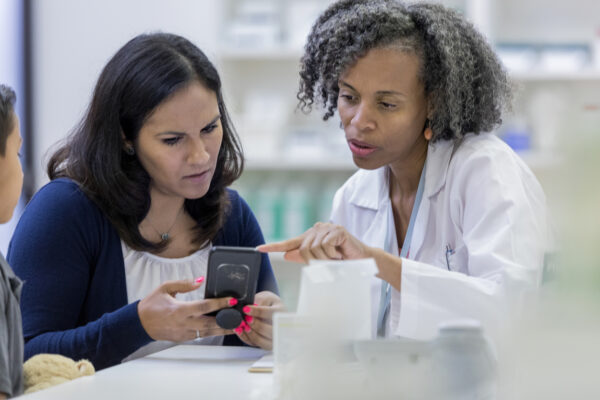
x: 74, y: 300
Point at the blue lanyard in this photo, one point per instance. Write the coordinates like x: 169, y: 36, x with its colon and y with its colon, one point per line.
x: 386, y: 290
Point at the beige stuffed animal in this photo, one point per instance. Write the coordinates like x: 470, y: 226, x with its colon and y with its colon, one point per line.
x: 45, y: 370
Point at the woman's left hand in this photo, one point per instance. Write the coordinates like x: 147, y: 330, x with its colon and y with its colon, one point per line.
x: 257, y: 328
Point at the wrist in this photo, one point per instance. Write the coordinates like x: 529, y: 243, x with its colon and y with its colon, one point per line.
x: 389, y: 267
x: 142, y: 317
x: 370, y: 252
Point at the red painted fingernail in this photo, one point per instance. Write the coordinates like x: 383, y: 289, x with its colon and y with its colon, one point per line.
x: 232, y: 302
x: 200, y: 280
x: 249, y: 318
x: 246, y: 327
x: 246, y: 309
x: 254, y: 304
x: 238, y: 330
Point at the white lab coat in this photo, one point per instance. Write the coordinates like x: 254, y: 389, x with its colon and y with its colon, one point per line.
x: 482, y: 215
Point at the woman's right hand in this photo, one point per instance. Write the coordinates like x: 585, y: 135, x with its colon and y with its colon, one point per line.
x: 324, y: 241
x: 166, y: 318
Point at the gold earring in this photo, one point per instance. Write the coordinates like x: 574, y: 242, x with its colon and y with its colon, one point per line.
x: 428, y: 132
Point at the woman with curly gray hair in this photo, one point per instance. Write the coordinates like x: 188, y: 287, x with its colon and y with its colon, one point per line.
x: 453, y: 218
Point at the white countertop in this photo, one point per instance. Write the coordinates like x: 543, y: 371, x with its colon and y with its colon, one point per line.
x: 181, y: 372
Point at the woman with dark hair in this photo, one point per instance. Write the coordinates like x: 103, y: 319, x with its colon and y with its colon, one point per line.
x: 452, y: 216
x: 138, y: 193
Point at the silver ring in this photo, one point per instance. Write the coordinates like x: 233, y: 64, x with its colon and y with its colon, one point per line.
x: 197, y: 334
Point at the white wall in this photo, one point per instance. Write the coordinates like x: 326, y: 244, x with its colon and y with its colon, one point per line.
x: 73, y: 40
x: 11, y: 73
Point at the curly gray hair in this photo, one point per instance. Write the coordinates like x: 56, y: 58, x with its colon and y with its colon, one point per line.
x: 465, y: 83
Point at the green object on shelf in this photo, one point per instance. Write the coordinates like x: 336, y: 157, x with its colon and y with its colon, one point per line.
x: 298, y: 209
x: 268, y: 208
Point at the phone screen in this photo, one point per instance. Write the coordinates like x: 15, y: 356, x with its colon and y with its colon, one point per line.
x: 233, y: 271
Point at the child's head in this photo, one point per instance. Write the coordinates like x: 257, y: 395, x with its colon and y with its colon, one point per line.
x: 11, y: 173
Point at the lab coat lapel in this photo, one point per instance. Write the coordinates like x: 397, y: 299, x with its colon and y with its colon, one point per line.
x: 375, y: 234
x: 374, y: 195
x: 438, y: 159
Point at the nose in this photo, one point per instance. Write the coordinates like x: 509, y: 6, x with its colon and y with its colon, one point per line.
x: 362, y: 118
x: 198, y: 153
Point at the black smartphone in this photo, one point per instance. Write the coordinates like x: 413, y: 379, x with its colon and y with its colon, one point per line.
x: 232, y: 271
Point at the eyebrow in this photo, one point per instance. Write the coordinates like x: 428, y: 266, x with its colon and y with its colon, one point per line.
x: 183, y: 133
x: 379, y: 92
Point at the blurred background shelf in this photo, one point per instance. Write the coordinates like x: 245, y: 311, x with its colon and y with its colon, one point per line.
x: 274, y: 53
x: 534, y: 159
x: 584, y: 75
x: 278, y: 163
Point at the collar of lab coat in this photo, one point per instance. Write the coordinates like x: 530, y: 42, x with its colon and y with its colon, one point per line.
x: 374, y: 191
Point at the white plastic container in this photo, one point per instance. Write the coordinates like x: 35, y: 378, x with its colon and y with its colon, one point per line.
x: 464, y: 361
x: 397, y: 368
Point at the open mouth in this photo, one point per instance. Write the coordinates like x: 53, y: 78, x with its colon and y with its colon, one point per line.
x: 360, y: 149
x: 197, y: 177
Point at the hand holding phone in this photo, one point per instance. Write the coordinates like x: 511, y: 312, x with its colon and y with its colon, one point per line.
x: 232, y: 271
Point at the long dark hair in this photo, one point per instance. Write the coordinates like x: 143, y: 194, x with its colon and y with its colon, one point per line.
x: 138, y: 78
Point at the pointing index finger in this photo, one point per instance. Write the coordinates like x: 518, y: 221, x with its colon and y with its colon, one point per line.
x: 285, y: 245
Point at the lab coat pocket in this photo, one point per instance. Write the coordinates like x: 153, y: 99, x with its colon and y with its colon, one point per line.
x: 454, y: 258
x: 448, y: 258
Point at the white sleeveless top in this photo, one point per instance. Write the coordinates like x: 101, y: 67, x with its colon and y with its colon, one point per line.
x: 144, y: 272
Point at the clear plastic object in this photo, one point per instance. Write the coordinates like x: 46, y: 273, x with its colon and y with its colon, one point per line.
x: 465, y: 362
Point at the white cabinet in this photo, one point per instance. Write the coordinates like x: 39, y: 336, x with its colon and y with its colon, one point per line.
x: 557, y: 73
x: 295, y: 161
